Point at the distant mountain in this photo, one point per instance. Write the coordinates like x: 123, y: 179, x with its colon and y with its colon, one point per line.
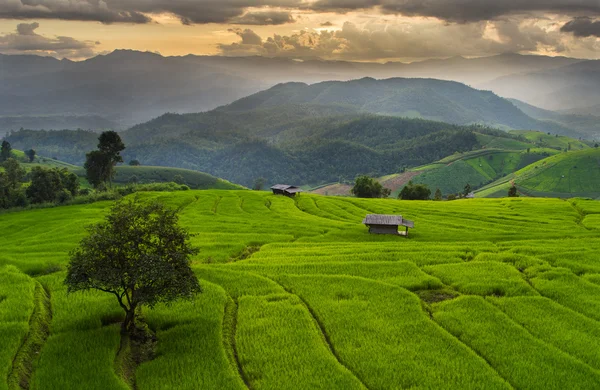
x: 314, y: 134
x: 124, y: 87
x: 586, y: 125
x: 571, y: 87
x: 431, y: 99
x: 128, y: 87
x: 93, y: 122
x: 590, y: 110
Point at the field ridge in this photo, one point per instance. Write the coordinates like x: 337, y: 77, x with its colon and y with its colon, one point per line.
x: 229, y: 343
x: 39, y: 329
x: 322, y: 332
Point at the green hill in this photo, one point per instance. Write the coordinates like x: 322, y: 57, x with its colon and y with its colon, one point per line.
x: 302, y: 149
x: 438, y: 100
x: 146, y: 175
x: 477, y: 168
x: 544, y: 140
x: 140, y: 174
x: 563, y: 175
x: 483, y: 294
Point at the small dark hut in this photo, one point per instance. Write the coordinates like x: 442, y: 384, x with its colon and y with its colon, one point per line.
x: 387, y: 224
x: 284, y: 189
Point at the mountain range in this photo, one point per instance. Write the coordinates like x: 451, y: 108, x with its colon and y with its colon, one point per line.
x: 296, y: 132
x: 129, y: 87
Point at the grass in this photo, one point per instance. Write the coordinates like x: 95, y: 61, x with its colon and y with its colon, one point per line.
x: 482, y: 278
x: 378, y: 328
x: 567, y: 330
x: 550, y: 141
x: 190, y: 354
x: 148, y: 174
x: 281, y: 347
x: 484, y: 293
x: 567, y: 175
x: 500, y: 341
x: 16, y: 306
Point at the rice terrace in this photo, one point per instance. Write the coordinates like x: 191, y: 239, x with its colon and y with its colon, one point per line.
x: 485, y: 293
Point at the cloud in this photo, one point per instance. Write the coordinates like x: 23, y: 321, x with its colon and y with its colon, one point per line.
x: 273, y: 12
x: 385, y: 41
x: 263, y: 18
x: 248, y: 36
x: 463, y: 11
x: 26, y: 41
x: 138, y: 11
x: 327, y: 24
x: 582, y: 27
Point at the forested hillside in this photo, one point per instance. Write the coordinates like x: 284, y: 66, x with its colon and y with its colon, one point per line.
x: 440, y: 100
x: 311, y: 151
x: 313, y: 134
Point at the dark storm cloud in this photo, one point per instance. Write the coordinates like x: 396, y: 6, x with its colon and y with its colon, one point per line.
x: 582, y: 27
x: 463, y: 11
x: 134, y: 11
x: 263, y: 18
x: 26, y: 40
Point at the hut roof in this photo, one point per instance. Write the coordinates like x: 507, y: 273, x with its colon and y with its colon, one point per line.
x: 282, y: 187
x: 389, y: 220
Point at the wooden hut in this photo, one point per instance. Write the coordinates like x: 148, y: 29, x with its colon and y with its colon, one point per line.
x: 387, y: 224
x: 285, y: 189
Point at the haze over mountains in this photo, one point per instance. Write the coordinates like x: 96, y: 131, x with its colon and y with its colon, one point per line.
x: 315, y: 133
x: 574, y: 88
x: 127, y: 87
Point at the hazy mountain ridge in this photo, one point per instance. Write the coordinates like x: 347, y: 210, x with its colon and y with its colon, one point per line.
x: 438, y: 100
x: 128, y: 87
x: 572, y: 87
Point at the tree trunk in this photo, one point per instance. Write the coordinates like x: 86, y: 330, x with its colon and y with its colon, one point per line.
x: 129, y: 321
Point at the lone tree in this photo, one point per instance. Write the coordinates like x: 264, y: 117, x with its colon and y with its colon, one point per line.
x: 438, y: 195
x: 98, y: 169
x: 5, y: 151
x: 30, y: 153
x: 467, y: 190
x: 414, y: 192
x: 512, y: 191
x: 259, y: 183
x: 139, y: 254
x: 100, y: 164
x: 367, y: 187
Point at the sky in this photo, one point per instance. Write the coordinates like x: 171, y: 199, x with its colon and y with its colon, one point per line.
x: 349, y: 30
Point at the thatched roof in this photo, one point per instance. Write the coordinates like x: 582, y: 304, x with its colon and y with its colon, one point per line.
x: 282, y: 187
x: 286, y: 189
x: 387, y: 220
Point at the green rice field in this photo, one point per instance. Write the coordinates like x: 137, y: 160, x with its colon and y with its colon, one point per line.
x: 483, y: 294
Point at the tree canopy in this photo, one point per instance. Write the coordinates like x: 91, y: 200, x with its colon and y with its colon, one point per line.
x: 414, y: 192
x: 367, y: 187
x: 100, y: 164
x: 30, y: 153
x: 5, y: 151
x: 52, y: 185
x: 139, y: 254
